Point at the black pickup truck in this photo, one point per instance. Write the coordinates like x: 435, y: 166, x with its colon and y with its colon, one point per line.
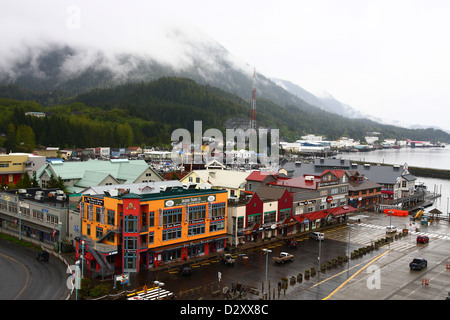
x: 418, y: 264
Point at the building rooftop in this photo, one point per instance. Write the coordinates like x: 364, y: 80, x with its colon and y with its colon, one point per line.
x: 170, y: 192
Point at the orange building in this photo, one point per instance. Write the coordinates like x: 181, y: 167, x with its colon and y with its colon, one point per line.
x: 131, y: 231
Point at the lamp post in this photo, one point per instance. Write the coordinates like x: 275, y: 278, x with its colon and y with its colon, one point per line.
x: 77, y: 278
x: 159, y: 284
x: 20, y: 223
x: 266, y: 252
x: 82, y: 259
x: 59, y: 227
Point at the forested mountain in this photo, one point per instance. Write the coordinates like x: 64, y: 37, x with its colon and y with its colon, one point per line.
x: 146, y: 113
x: 95, y: 98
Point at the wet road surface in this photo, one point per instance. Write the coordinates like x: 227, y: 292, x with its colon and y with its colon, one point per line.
x: 392, y: 262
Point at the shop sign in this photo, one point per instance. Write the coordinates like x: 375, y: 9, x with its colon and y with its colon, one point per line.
x: 302, y: 203
x: 98, y: 202
x: 188, y: 201
x: 328, y: 183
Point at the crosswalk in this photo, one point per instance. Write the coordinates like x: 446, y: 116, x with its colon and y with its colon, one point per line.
x: 358, y: 236
x: 429, y: 234
x: 151, y: 294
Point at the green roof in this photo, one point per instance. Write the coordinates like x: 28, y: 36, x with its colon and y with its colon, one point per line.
x: 93, y: 172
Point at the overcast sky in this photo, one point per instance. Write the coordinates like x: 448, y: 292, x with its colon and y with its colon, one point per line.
x: 387, y: 58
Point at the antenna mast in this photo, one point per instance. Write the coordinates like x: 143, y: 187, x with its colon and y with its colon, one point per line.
x: 253, y: 106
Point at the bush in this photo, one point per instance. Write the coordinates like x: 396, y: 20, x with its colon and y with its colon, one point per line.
x: 99, y: 290
x: 84, y: 286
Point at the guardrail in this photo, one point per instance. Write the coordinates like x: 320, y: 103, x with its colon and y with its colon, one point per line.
x: 64, y: 261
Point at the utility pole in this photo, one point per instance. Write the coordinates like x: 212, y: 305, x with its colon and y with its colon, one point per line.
x: 253, y: 105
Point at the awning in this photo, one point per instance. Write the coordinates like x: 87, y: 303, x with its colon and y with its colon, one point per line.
x: 89, y: 256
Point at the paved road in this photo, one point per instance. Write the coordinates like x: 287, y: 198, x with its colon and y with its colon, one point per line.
x: 22, y: 277
x: 395, y: 280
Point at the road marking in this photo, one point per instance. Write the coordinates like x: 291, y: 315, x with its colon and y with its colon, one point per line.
x: 28, y: 275
x: 354, y: 275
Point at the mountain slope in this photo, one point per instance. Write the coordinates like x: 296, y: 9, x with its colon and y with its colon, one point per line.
x: 56, y: 72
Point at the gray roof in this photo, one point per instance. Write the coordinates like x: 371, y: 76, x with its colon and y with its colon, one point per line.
x: 378, y: 173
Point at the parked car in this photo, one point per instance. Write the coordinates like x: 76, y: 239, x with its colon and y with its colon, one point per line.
x: 317, y: 236
x: 185, y: 270
x: 422, y: 239
x: 391, y: 229
x: 418, y: 264
x: 42, y: 256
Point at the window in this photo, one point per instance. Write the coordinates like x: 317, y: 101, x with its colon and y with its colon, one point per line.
x: 98, y: 214
x: 151, y: 219
x: 111, y: 217
x: 240, y: 223
x: 38, y: 215
x: 270, y: 217
x: 285, y: 213
x: 98, y: 232
x: 197, y: 213
x: 51, y: 219
x: 253, y: 219
x: 151, y: 237
x: 130, y: 243
x: 218, y: 210
x: 196, y: 229
x: 217, y: 226
x: 129, y: 260
x: 170, y: 234
x: 130, y: 223
x: 172, y: 216
x: 88, y: 229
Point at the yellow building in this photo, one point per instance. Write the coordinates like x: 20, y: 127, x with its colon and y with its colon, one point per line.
x: 231, y: 181
x: 14, y: 165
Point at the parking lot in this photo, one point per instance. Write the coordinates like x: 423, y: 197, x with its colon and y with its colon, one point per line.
x: 388, y: 277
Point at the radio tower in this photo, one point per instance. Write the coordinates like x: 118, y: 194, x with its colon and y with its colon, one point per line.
x: 253, y: 107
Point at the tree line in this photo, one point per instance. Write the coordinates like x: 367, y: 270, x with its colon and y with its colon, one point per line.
x: 146, y: 113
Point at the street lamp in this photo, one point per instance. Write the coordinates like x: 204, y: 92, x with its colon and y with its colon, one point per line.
x: 20, y: 223
x: 77, y: 278
x: 266, y: 252
x: 82, y: 259
x: 59, y: 227
x: 159, y: 284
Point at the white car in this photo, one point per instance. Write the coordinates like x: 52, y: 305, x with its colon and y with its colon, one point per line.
x: 391, y: 229
x: 317, y: 236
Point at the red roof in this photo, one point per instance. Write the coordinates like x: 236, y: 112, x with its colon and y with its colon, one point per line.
x: 323, y: 213
x: 260, y: 175
x: 337, y: 173
x: 299, y: 182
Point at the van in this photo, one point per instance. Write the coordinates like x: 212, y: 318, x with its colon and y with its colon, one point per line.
x: 317, y: 236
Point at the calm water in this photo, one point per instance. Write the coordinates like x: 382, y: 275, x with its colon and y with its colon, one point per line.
x: 438, y: 158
